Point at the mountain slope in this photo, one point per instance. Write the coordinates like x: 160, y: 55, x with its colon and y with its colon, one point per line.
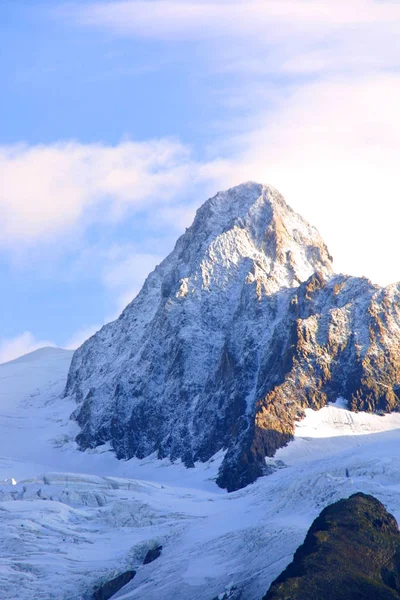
x: 239, y: 329
x: 351, y: 552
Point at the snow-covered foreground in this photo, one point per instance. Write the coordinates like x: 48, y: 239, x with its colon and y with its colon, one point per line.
x: 71, y: 520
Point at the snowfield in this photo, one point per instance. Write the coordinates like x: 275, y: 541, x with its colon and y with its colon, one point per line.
x: 71, y: 520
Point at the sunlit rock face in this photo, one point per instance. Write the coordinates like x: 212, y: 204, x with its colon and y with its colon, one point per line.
x: 238, y: 330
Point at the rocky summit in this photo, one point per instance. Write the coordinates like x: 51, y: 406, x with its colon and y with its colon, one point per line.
x: 233, y: 335
x: 351, y: 552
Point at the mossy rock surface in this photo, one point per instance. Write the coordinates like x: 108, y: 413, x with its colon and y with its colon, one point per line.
x: 351, y: 552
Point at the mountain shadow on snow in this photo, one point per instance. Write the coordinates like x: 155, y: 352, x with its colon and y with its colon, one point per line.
x: 351, y: 552
x: 233, y: 335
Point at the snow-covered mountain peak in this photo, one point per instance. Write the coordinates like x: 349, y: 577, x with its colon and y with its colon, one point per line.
x: 249, y: 234
x: 237, y: 331
x: 50, y: 352
x: 272, y: 227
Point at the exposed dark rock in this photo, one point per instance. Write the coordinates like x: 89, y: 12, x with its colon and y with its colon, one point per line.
x: 351, y: 552
x: 152, y: 555
x: 107, y: 590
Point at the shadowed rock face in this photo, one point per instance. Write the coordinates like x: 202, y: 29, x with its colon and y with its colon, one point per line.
x: 110, y: 588
x: 339, y: 338
x: 152, y: 555
x: 237, y: 331
x: 351, y: 552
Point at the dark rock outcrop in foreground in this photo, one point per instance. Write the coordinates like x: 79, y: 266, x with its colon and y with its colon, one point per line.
x: 237, y: 331
x: 351, y: 552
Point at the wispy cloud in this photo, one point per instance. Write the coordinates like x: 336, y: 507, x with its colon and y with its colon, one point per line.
x: 330, y: 147
x: 171, y: 18
x: 295, y: 36
x: 45, y: 190
x: 23, y: 343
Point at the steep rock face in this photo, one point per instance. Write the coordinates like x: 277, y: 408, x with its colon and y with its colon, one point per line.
x: 339, y: 338
x: 351, y: 552
x: 241, y: 327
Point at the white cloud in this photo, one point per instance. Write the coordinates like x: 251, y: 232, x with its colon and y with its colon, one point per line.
x: 47, y: 190
x: 19, y: 345
x: 332, y: 149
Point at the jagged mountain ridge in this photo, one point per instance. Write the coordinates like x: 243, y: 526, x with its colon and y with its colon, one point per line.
x: 242, y: 326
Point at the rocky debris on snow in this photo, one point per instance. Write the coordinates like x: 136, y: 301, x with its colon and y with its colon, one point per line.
x: 233, y: 335
x: 231, y: 593
x: 351, y: 552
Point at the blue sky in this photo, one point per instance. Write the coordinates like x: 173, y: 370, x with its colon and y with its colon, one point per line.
x: 120, y: 118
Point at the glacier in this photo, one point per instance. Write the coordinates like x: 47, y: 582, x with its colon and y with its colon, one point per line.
x: 73, y: 520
